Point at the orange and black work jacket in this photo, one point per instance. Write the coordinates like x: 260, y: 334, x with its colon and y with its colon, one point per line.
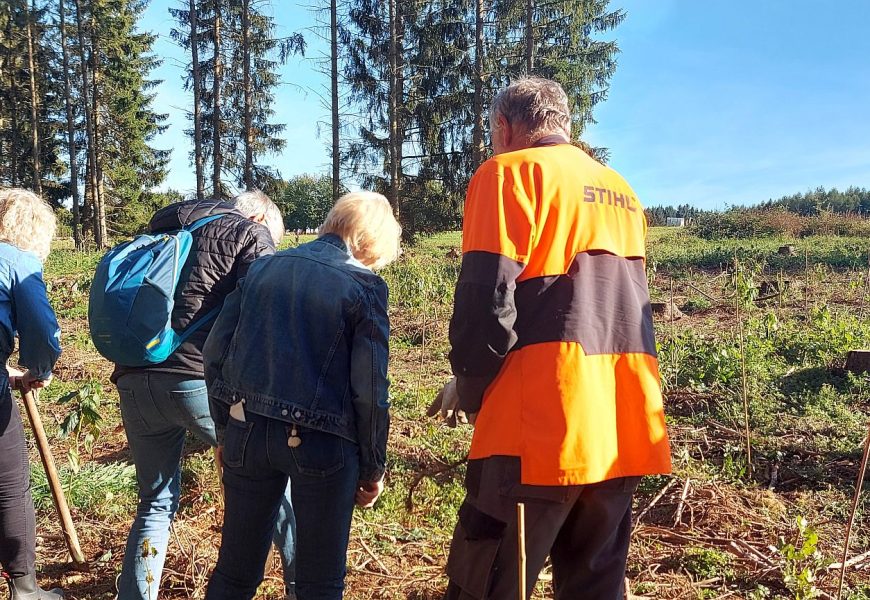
x: 552, y: 335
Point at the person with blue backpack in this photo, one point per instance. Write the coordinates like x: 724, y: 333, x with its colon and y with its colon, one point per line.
x: 153, y: 302
x: 27, y: 225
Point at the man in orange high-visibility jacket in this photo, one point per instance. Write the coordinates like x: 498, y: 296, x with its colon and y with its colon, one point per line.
x: 555, y: 360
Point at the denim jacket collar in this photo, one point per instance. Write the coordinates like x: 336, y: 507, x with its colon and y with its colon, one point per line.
x: 331, y: 238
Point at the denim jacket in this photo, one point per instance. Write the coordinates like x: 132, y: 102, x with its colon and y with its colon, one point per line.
x: 25, y: 311
x: 304, y: 339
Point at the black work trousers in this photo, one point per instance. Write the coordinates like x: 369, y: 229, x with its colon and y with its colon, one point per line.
x: 17, y: 521
x: 585, y: 529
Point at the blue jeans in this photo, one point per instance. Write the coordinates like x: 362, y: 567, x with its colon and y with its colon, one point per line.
x: 158, y: 409
x: 324, y: 471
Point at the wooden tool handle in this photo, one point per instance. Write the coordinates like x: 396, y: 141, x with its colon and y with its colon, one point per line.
x: 521, y: 550
x: 66, y: 522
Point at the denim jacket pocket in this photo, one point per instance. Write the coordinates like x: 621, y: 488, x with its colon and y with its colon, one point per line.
x: 235, y: 442
x: 319, y: 454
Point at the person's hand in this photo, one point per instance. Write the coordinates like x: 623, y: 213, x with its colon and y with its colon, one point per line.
x: 26, y: 382
x: 446, y: 403
x: 219, y: 457
x: 367, y: 492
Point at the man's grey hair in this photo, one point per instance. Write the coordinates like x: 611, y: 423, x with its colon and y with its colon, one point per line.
x: 254, y: 203
x: 539, y: 105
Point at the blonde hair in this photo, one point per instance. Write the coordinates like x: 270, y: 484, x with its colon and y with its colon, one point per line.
x: 365, y: 221
x: 254, y: 203
x: 26, y: 221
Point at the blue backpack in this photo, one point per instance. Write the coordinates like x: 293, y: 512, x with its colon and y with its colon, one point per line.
x: 133, y: 294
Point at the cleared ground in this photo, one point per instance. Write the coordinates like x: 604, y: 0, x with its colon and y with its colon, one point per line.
x: 715, y: 529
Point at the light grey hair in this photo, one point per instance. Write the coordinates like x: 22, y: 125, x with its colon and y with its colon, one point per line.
x: 539, y: 105
x: 254, y: 203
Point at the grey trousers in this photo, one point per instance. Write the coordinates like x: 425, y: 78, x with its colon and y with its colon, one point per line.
x: 585, y: 529
x: 17, y: 520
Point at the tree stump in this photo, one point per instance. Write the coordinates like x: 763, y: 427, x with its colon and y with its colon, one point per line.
x: 667, y: 311
x: 771, y: 289
x: 858, y: 361
x: 788, y: 250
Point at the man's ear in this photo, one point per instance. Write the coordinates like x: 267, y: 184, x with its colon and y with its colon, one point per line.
x: 258, y: 218
x: 507, y: 133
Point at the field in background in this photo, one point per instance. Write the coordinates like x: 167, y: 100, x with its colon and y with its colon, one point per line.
x: 715, y: 529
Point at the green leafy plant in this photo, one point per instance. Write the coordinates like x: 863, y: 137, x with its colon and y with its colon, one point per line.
x: 759, y: 593
x: 83, y: 421
x: 801, y: 561
x: 147, y: 553
x: 707, y: 563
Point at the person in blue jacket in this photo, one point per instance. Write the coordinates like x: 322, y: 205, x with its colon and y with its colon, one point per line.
x: 27, y: 226
x: 296, y: 369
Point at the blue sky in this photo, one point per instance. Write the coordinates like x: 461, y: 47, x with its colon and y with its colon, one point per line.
x: 713, y: 103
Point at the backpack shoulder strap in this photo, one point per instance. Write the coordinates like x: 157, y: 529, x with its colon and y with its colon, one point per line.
x: 201, y: 222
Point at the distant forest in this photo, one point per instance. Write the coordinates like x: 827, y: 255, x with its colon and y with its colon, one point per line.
x: 854, y: 200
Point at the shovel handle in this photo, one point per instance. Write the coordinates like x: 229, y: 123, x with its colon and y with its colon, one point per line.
x: 66, y: 522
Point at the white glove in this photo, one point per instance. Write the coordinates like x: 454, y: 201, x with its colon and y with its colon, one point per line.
x: 446, y: 403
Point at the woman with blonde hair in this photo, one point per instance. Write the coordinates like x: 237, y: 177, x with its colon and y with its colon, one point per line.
x: 296, y: 368
x: 27, y: 227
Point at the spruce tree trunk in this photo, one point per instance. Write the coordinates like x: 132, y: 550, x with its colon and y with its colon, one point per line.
x: 87, y: 212
x: 34, y: 102
x: 530, y: 36
x: 15, y: 152
x: 90, y: 179
x: 100, y: 229
x: 197, y: 88
x: 400, y: 105
x: 70, y: 129
x: 248, y: 174
x: 477, y: 149
x: 216, y: 99
x: 395, y: 93
x: 333, y: 56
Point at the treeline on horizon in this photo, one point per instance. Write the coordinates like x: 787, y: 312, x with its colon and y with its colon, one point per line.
x: 406, y: 86
x: 815, y: 212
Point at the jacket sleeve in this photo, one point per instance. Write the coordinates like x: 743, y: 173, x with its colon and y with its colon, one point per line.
x: 216, y: 349
x: 368, y: 381
x: 38, y: 331
x: 258, y: 243
x: 497, y: 232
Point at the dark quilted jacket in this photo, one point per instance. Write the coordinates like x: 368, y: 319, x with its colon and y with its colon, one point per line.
x: 222, y: 252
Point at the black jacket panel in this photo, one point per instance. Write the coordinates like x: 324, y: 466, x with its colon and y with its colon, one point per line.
x: 221, y: 254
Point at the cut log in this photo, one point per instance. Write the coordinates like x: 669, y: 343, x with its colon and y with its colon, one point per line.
x: 858, y: 361
x: 667, y: 311
x: 788, y: 250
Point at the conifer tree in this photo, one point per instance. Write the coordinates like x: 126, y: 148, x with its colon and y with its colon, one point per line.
x: 233, y: 86
x: 423, y: 74
x: 30, y: 100
x: 557, y: 39
x: 376, y: 43
x: 252, y: 76
x: 190, y: 35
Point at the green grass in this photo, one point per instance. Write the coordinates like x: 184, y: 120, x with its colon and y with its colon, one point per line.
x: 677, y: 249
x: 101, y: 490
